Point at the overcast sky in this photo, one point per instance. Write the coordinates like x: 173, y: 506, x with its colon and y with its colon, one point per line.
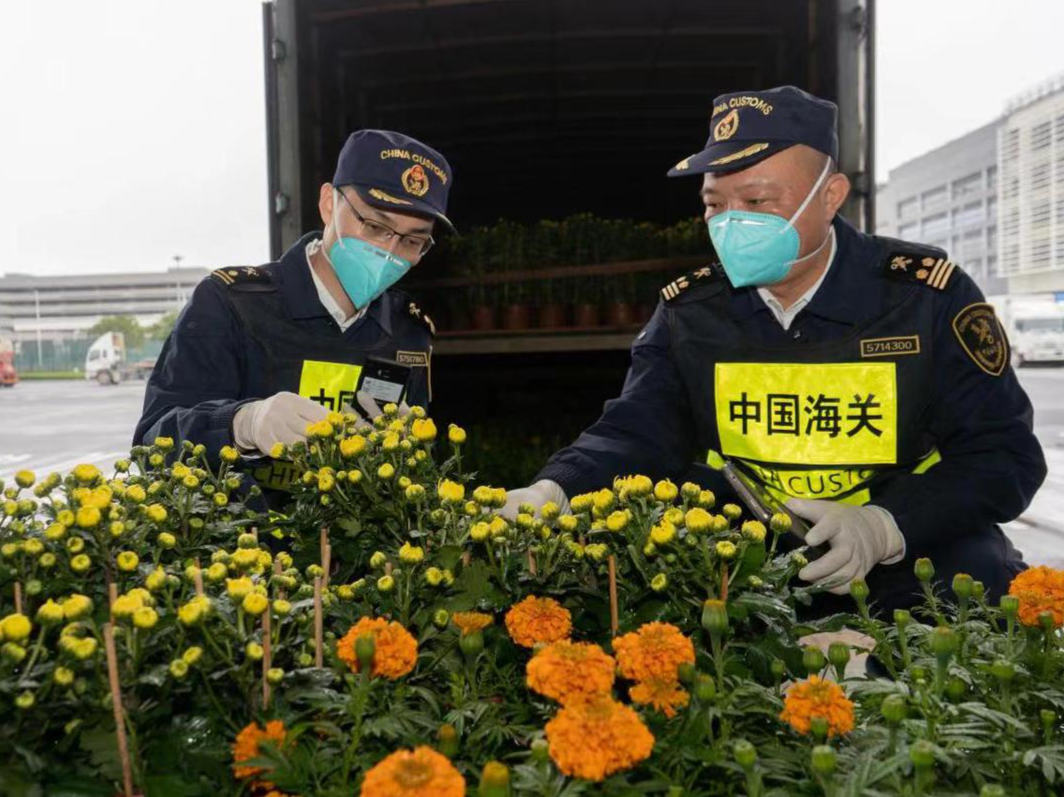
x: 133, y: 130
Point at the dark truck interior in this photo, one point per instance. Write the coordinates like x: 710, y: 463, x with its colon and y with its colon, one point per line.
x: 544, y: 108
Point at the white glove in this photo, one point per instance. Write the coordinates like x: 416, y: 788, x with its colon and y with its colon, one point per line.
x: 542, y: 492
x: 371, y: 410
x: 282, y: 418
x: 861, y: 537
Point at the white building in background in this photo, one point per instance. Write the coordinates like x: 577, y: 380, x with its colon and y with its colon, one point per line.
x: 63, y: 308
x: 1031, y: 158
x: 948, y: 198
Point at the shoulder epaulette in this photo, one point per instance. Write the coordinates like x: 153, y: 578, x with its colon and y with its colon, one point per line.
x: 243, y: 278
x: 927, y: 265
x: 420, y: 317
x: 703, y: 275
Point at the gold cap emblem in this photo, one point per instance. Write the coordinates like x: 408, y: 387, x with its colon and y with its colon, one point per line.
x: 727, y: 126
x: 415, y: 181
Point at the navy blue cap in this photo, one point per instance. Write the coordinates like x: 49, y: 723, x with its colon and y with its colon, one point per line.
x: 748, y: 126
x: 395, y: 173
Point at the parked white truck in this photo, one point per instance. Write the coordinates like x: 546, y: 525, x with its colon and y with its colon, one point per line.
x: 105, y: 362
x: 1034, y: 323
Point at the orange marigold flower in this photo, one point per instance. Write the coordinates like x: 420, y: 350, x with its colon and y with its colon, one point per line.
x: 594, y: 738
x: 818, y: 698
x: 413, y: 773
x: 470, y: 622
x: 566, y: 670
x: 396, y: 650
x: 654, y: 652
x: 663, y: 694
x: 246, y: 747
x: 536, y: 621
x: 1039, y: 589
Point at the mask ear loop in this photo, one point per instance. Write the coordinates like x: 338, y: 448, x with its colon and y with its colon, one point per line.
x: 336, y: 229
x: 803, y: 206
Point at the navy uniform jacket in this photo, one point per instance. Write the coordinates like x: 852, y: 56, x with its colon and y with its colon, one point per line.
x: 211, y: 364
x: 991, y: 465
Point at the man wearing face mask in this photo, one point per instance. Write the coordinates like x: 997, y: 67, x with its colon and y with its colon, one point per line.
x: 862, y: 380
x: 261, y: 352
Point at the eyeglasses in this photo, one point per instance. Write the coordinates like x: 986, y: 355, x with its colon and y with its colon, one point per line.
x: 408, y: 245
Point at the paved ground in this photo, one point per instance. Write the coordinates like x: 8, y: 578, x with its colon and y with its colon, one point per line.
x: 52, y: 426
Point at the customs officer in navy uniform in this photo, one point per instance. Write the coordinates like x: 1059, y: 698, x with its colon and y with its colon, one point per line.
x: 260, y: 352
x: 862, y: 380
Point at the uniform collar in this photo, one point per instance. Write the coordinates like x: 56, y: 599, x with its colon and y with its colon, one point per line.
x: 301, y: 295
x: 845, y: 294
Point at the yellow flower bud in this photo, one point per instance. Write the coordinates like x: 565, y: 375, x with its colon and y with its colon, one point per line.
x: 63, y: 676
x: 665, y: 491
x: 87, y: 474
x: 80, y: 563
x: 698, y: 521
x: 255, y: 604
x: 88, y: 517
x: 663, y: 533
x: 145, y: 617
x: 15, y: 628
x: 385, y: 583
x: 125, y: 605
x: 194, y: 611
x: 229, y: 454
x: 128, y: 561
x: 450, y: 492
x: 76, y: 607
x: 726, y: 550
x: 732, y: 511
x: 50, y: 613
x: 456, y: 434
x: 754, y: 530
x: 238, y: 588
x: 156, y: 580
x: 411, y: 554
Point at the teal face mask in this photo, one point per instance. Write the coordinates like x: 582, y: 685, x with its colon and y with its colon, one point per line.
x: 365, y: 271
x: 760, y: 248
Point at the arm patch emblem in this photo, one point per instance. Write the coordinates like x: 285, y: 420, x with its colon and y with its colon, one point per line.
x: 982, y: 337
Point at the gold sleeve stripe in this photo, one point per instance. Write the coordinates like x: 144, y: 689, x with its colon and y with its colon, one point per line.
x: 222, y: 276
x: 946, y: 275
x: 941, y: 272
x: 935, y: 271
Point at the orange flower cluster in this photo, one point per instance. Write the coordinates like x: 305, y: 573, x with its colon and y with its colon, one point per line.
x: 651, y: 657
x: 246, y: 748
x: 396, y: 650
x: 414, y: 773
x: 594, y: 738
x: 565, y: 671
x: 1039, y: 589
x: 818, y: 698
x: 471, y: 622
x: 655, y: 651
x: 536, y: 621
x: 661, y: 694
